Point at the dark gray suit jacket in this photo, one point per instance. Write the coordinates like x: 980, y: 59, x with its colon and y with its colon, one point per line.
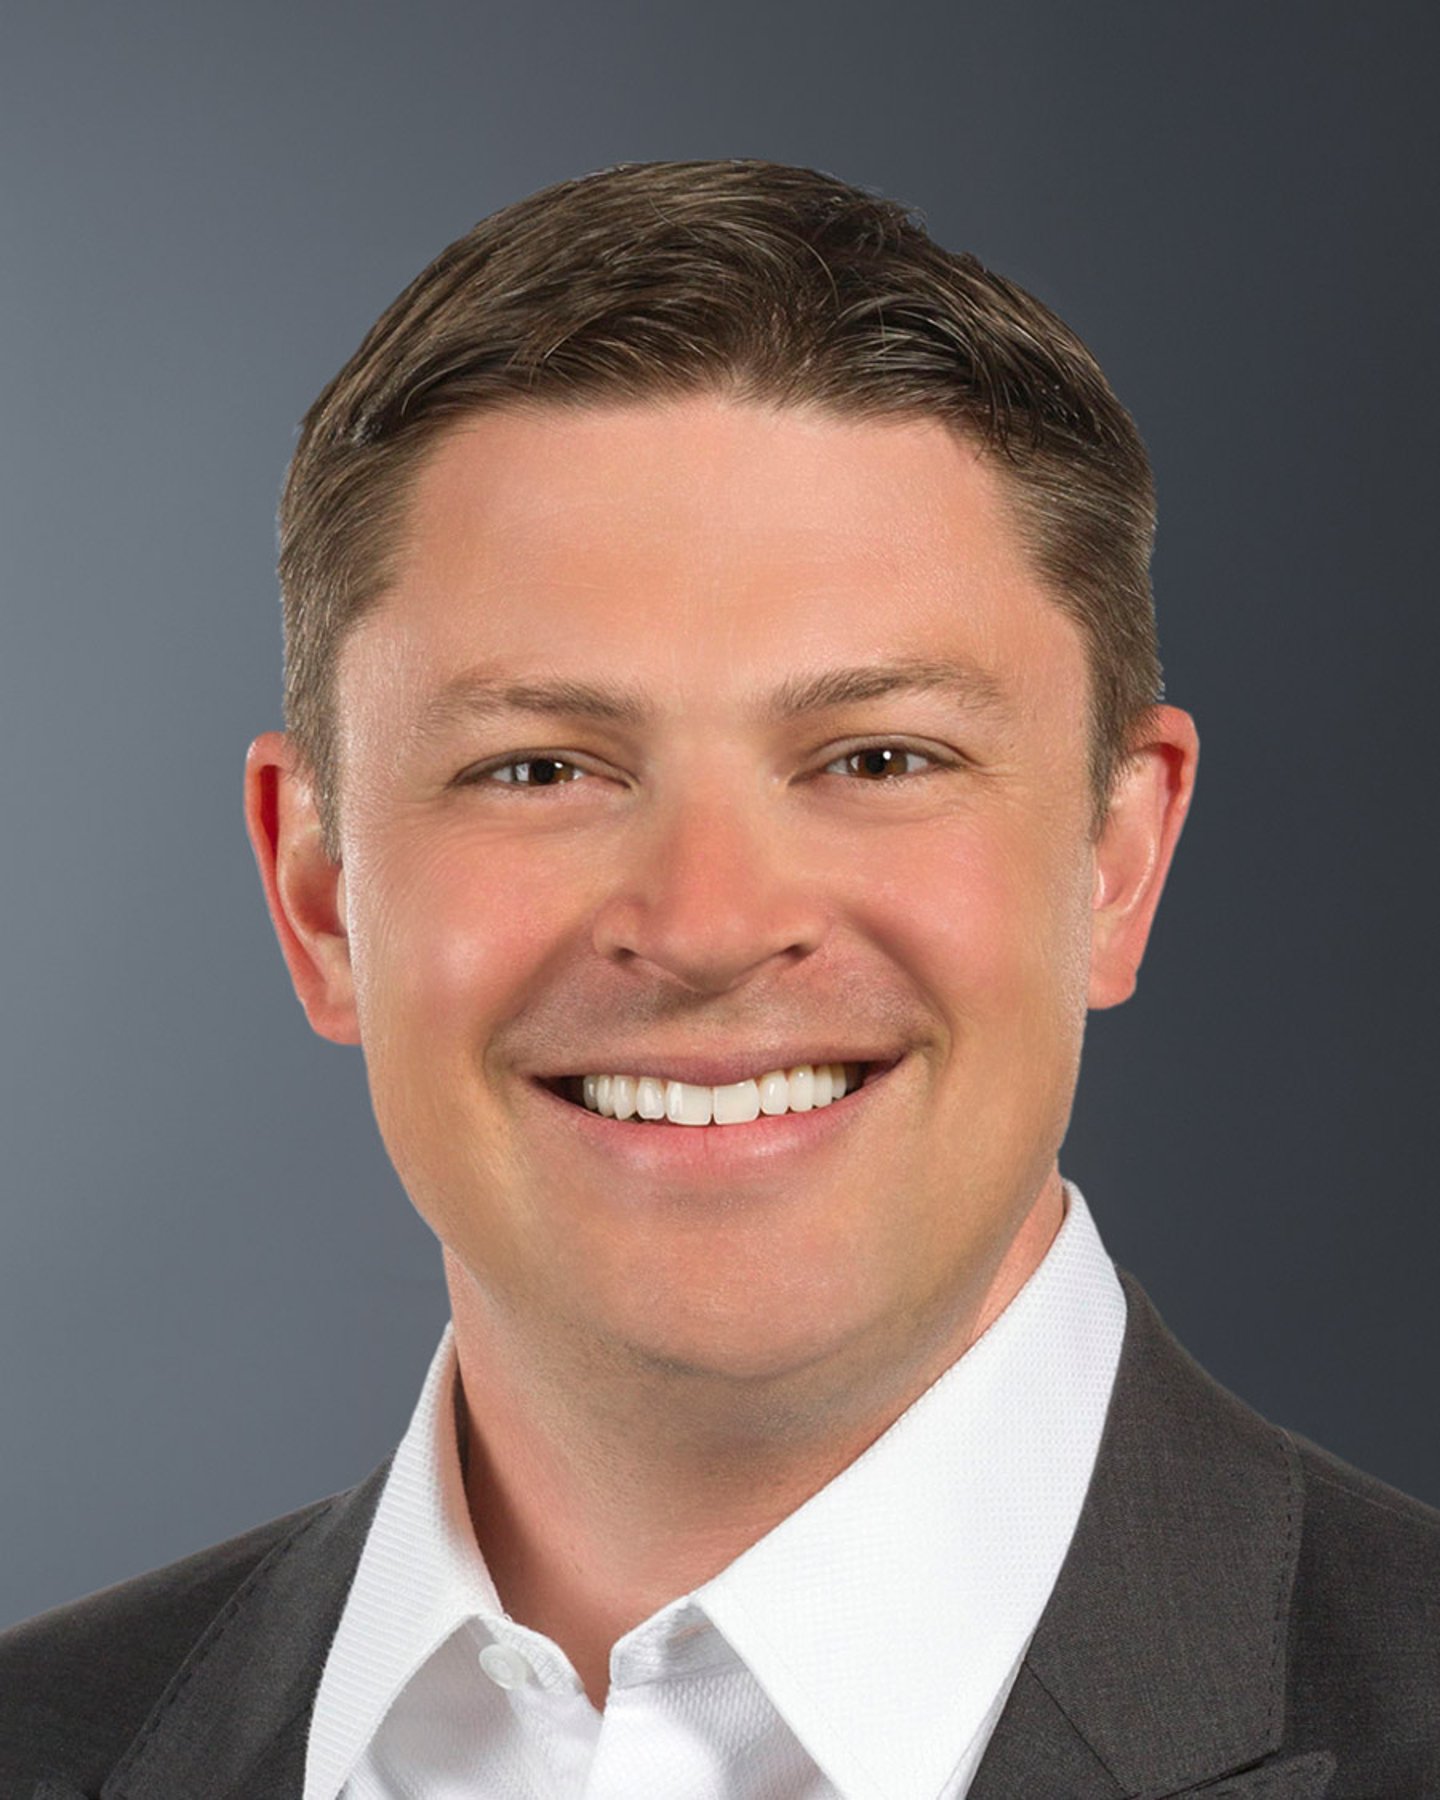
x: 1240, y: 1616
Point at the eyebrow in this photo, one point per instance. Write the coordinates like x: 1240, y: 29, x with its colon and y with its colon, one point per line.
x: 481, y: 694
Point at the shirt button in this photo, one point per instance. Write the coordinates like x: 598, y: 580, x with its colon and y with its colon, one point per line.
x: 507, y: 1668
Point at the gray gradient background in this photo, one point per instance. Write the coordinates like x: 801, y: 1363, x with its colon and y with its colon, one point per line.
x: 215, y: 1302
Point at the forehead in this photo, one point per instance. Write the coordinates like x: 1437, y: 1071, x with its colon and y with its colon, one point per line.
x: 704, y: 547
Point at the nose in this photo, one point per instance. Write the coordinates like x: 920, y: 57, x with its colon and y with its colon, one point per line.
x: 708, y: 894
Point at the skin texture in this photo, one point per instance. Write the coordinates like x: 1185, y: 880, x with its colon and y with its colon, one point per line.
x: 667, y: 1348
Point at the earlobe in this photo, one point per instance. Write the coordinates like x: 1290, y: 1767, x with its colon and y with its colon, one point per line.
x: 1135, y: 849
x: 304, y: 889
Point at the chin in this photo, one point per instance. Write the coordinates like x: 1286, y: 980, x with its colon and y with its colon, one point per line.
x: 750, y: 1364
x: 765, y: 1338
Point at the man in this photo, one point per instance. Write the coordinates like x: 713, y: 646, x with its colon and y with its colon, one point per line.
x: 725, y: 763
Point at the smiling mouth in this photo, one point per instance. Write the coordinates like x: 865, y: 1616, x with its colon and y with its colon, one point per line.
x: 655, y: 1099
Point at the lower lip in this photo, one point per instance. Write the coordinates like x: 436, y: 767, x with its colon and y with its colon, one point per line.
x: 724, y: 1152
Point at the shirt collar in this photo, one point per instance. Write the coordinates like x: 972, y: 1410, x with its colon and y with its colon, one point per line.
x: 884, y: 1618
x: 420, y: 1577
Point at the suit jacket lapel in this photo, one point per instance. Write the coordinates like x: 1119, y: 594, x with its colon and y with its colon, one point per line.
x: 235, y: 1719
x: 1036, y: 1750
x: 1160, y: 1656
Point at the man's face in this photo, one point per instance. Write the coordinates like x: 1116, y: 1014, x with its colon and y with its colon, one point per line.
x: 696, y: 741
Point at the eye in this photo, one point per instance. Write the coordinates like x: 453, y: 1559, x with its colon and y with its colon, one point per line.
x: 526, y: 771
x: 874, y: 764
x: 878, y: 763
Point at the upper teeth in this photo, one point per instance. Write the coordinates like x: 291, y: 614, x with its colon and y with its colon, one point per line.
x: 736, y: 1103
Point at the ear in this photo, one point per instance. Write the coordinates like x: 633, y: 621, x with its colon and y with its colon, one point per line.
x: 1133, y: 852
x: 304, y: 890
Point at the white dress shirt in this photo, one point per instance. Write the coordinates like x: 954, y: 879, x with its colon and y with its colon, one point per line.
x: 862, y: 1650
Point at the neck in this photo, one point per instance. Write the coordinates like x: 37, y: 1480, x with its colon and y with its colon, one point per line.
x: 601, y: 1487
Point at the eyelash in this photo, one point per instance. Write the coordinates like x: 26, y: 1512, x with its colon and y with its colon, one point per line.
x: 486, y: 774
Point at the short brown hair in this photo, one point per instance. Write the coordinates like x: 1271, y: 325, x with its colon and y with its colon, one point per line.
x: 769, y: 283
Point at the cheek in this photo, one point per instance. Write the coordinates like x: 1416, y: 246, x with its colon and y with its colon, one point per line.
x: 994, y: 926
x: 449, y: 946
x: 451, y: 942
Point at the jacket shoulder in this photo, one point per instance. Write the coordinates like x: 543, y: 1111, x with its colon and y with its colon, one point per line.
x: 77, y: 1682
x: 1269, y: 1578
x: 1365, y: 1618
x: 1345, y: 1503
